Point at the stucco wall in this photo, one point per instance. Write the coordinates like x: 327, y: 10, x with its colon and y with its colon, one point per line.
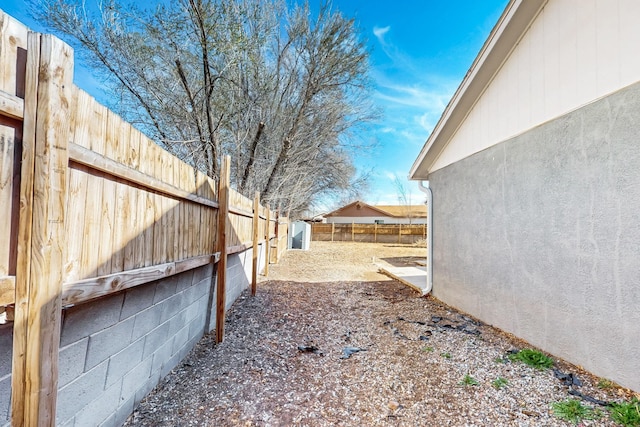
x: 114, y: 350
x: 540, y: 236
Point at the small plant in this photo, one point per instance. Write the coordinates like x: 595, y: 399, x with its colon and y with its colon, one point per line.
x: 499, y: 360
x: 499, y: 382
x: 534, y: 358
x: 605, y: 384
x: 626, y: 413
x: 573, y: 411
x: 446, y: 355
x: 428, y: 349
x: 469, y: 380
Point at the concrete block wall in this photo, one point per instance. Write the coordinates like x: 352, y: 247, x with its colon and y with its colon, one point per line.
x: 6, y: 341
x: 115, y: 350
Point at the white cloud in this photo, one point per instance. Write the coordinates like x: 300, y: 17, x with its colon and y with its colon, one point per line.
x: 380, y: 32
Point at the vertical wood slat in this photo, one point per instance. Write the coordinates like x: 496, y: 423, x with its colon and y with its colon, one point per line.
x: 267, y: 246
x: 256, y: 226
x: 23, y: 270
x: 44, y: 310
x: 223, y: 215
x: 77, y: 191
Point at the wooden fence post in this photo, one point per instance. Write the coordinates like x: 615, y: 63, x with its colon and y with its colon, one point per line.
x: 40, y: 267
x: 375, y: 233
x: 353, y: 238
x: 223, y: 215
x: 333, y: 229
x: 267, y: 249
x: 256, y: 225
x: 399, y: 233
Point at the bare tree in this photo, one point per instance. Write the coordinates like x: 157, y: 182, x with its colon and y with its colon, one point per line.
x: 281, y: 90
x: 404, y: 197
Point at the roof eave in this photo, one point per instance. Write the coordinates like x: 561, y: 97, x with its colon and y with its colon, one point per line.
x: 512, y: 25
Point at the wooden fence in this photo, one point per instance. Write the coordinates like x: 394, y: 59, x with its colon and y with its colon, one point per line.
x: 90, y: 206
x: 372, y: 233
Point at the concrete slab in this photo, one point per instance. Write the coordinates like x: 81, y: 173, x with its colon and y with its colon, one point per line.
x: 415, y: 277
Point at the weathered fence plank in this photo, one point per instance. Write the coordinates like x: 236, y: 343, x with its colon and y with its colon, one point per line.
x: 223, y: 213
x: 23, y: 267
x: 44, y: 309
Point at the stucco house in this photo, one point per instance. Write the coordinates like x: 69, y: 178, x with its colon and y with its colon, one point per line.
x: 533, y: 172
x: 362, y: 213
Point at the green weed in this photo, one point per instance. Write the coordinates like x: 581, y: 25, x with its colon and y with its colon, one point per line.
x: 468, y: 380
x: 446, y: 355
x: 626, y: 413
x: 500, y: 382
x: 428, y: 349
x: 573, y: 411
x: 534, y: 358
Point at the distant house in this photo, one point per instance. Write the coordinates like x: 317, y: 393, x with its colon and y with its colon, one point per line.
x: 362, y: 213
x: 535, y: 172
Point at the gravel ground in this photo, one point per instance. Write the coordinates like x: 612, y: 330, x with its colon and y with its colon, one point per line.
x: 283, y: 361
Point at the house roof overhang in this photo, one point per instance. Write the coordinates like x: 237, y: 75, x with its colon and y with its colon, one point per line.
x: 511, y: 27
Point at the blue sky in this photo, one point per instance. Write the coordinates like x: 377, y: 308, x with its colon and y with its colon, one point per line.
x: 421, y: 50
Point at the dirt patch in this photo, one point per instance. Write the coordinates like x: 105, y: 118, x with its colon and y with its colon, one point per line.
x: 327, y: 341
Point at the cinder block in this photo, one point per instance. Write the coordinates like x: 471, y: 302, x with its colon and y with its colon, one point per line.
x: 180, y: 339
x: 137, y: 299
x: 100, y: 409
x: 202, y: 273
x: 165, y: 288
x: 161, y: 356
x: 185, y: 349
x: 185, y: 280
x: 192, y: 311
x: 124, y: 410
x: 78, y: 393
x: 71, y: 361
x: 196, y: 327
x: 202, y: 288
x: 6, y: 350
x: 109, y: 422
x: 135, y: 378
x: 194, y: 293
x: 69, y: 423
x: 147, y: 320
x: 108, y: 342
x: 86, y: 319
x: 5, y: 399
x: 172, y: 306
x: 154, y: 339
x: 124, y: 361
x: 171, y: 363
x: 177, y: 322
x: 148, y: 385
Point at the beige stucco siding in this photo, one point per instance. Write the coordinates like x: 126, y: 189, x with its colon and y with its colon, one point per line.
x: 574, y: 52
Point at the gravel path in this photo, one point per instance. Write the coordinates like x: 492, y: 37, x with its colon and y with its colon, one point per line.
x: 283, y: 361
